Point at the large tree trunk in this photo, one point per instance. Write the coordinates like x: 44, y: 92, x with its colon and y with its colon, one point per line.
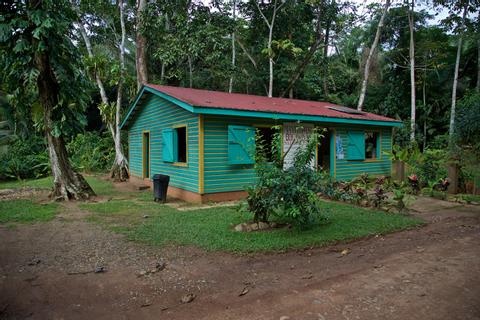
x: 119, y: 171
x: 455, y: 76
x: 67, y: 183
x: 141, y: 42
x: 412, y: 72
x: 230, y: 84
x: 366, y: 72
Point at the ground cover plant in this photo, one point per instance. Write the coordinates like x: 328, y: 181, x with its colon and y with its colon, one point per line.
x: 212, y: 229
x: 26, y: 211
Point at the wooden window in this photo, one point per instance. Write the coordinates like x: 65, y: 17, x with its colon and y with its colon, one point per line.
x: 371, y: 145
x: 266, y: 135
x: 241, y: 145
x: 180, y: 146
x: 356, y: 145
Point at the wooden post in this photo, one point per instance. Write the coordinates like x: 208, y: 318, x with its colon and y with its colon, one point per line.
x: 453, y: 173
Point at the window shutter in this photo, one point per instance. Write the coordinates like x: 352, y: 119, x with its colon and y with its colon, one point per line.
x: 167, y: 145
x: 356, y: 145
x: 241, y: 145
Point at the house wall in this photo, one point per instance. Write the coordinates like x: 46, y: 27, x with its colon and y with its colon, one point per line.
x: 220, y: 176
x: 155, y: 115
x: 348, y: 169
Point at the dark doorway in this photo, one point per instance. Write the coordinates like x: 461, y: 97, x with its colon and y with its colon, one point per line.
x: 146, y: 154
x: 323, y: 153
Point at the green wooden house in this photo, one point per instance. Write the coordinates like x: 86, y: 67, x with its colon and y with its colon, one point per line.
x: 204, y: 139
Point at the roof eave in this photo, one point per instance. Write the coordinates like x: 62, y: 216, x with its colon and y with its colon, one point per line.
x: 293, y: 117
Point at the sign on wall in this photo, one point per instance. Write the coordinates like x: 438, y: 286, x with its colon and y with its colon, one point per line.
x: 295, y: 136
x: 339, y: 148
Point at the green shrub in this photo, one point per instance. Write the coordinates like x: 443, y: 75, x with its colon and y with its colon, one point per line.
x: 25, y: 159
x: 288, y: 194
x: 91, y: 151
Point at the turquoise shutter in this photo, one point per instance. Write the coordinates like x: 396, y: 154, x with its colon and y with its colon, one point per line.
x: 241, y: 145
x: 356, y: 145
x: 167, y: 145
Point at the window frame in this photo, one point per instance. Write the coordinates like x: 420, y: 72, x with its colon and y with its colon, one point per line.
x: 175, y: 145
x: 269, y: 126
x: 378, y: 150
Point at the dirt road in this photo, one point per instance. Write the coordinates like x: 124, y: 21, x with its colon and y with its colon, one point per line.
x: 428, y: 273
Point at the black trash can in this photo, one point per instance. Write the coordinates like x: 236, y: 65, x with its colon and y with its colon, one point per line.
x: 160, y: 187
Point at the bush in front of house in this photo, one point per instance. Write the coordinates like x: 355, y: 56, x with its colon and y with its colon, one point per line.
x: 289, y: 194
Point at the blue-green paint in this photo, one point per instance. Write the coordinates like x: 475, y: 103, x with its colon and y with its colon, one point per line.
x: 158, y: 115
x: 291, y: 117
x: 241, y: 145
x: 356, y: 145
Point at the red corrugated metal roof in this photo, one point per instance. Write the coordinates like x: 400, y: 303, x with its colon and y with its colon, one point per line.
x: 247, y: 102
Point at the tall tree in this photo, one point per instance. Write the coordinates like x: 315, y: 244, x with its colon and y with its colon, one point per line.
x: 110, y: 112
x: 366, y: 71
x: 411, y: 25
x: 119, y: 170
x: 141, y: 44
x: 230, y: 83
x: 40, y: 56
x: 451, y: 130
x: 270, y: 24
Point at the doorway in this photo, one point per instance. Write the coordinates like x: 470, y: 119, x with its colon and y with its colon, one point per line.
x: 323, y: 152
x: 146, y: 154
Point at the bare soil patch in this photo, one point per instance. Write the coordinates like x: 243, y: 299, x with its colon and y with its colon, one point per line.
x: 426, y: 273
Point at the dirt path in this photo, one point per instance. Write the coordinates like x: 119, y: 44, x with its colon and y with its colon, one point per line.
x: 427, y: 273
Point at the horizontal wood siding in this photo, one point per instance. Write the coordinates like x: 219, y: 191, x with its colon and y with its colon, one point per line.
x: 348, y: 169
x: 155, y: 115
x: 220, y: 176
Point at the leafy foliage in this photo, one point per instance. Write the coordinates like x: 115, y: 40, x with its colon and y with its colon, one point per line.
x: 25, y: 159
x: 288, y: 194
x: 91, y: 152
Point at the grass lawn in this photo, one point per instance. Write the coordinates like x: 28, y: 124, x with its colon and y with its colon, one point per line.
x: 211, y: 229
x: 26, y: 211
x: 100, y: 186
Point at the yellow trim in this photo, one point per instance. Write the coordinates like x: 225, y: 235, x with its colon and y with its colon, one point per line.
x: 182, y: 164
x: 144, y: 175
x: 201, y: 163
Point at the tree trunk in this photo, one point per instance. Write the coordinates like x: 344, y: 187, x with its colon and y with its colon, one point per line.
x: 424, y: 91
x: 313, y: 48
x: 230, y: 84
x: 412, y: 72
x: 270, y: 63
x: 141, y: 42
x: 88, y: 45
x: 478, y: 63
x: 119, y: 171
x: 455, y: 76
x: 366, y: 72
x: 325, y: 59
x: 67, y: 183
x: 270, y: 25
x: 190, y: 72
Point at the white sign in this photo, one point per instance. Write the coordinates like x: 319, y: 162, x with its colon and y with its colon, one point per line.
x: 295, y: 136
